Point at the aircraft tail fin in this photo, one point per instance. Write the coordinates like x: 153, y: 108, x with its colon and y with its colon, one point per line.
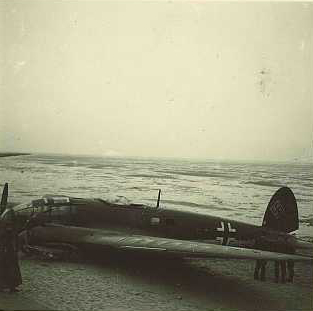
x: 282, y: 212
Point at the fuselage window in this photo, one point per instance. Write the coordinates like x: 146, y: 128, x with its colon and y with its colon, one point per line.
x: 154, y: 221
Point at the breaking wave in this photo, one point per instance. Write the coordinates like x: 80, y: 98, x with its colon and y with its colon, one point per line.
x: 307, y: 221
x: 151, y: 176
x: 265, y: 183
x: 201, y: 174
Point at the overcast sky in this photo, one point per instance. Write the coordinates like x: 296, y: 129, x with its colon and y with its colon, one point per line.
x: 182, y: 79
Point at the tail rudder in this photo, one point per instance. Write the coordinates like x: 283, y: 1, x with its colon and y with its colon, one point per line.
x: 282, y: 212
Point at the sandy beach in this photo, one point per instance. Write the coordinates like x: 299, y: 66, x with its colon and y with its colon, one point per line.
x: 118, y: 283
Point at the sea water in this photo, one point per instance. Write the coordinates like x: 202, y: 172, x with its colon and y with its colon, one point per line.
x: 236, y: 190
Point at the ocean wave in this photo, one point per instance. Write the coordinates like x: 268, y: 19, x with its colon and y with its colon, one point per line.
x: 304, y: 194
x: 265, y: 183
x: 68, y: 164
x: 304, y: 200
x: 80, y: 188
x: 307, y: 185
x: 307, y: 221
x: 102, y: 166
x: 139, y: 188
x: 152, y: 176
x: 200, y: 174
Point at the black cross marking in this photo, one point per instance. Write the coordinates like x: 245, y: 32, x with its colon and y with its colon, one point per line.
x: 226, y: 231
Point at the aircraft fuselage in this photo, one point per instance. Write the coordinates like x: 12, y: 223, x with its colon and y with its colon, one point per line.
x: 141, y: 219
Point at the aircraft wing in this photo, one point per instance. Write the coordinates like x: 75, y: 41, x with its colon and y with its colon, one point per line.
x: 105, y: 239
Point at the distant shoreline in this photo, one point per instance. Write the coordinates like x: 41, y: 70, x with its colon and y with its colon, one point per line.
x: 12, y: 154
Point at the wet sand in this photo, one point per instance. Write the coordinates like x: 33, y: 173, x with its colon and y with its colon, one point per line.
x: 119, y: 283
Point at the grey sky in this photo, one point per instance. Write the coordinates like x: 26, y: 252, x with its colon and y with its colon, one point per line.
x: 211, y: 80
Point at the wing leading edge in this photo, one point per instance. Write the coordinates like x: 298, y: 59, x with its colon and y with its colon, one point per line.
x: 147, y: 244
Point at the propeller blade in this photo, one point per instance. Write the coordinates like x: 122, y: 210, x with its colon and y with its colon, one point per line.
x: 4, y: 198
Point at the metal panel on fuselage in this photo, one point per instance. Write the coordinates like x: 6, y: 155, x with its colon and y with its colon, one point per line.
x: 102, y: 215
x: 194, y: 226
x: 155, y: 222
x: 166, y: 223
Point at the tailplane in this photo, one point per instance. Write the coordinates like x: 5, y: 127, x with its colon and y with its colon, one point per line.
x: 282, y: 212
